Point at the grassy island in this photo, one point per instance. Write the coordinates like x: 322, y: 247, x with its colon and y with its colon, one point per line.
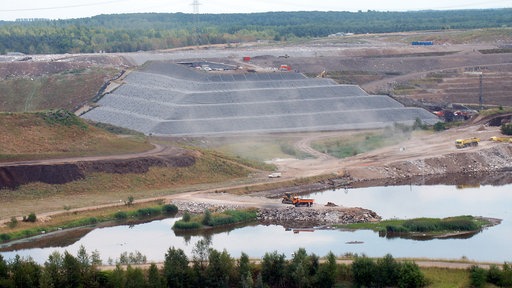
x: 427, y: 227
x: 210, y: 220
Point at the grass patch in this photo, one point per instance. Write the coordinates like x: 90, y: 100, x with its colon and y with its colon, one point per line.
x: 59, y: 89
x: 69, y: 220
x: 446, y: 278
x: 57, y: 134
x: 360, y: 142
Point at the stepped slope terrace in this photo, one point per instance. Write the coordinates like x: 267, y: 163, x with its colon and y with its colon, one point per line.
x: 170, y: 99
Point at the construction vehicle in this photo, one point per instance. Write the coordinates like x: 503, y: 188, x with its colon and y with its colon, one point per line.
x: 288, y: 198
x: 275, y: 175
x: 285, y: 67
x: 463, y: 143
x: 501, y: 139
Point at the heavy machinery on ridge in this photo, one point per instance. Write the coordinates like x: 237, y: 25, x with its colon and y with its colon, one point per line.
x: 463, y: 143
x: 501, y: 139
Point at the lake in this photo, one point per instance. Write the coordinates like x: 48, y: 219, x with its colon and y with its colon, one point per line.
x: 492, y: 244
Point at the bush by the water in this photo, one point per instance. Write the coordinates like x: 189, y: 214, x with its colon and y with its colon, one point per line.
x: 170, y: 209
x: 148, y: 212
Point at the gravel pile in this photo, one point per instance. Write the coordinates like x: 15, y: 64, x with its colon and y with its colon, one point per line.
x: 317, y: 216
x: 169, y: 99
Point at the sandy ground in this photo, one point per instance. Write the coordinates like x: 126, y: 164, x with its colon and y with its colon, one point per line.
x: 421, y: 145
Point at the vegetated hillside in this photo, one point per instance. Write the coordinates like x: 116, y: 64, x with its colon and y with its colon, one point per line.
x: 150, y: 31
x: 58, y: 134
x: 31, y: 86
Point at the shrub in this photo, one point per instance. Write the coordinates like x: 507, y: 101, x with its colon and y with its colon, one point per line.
x: 62, y: 117
x: 5, y: 237
x: 186, y: 217
x: 13, y: 223
x: 364, y: 271
x: 30, y: 218
x: 494, y: 275
x: 148, y: 212
x: 439, y: 126
x: 207, y: 218
x: 410, y: 275
x: 120, y: 215
x: 506, y: 129
x: 182, y: 225
x: 170, y: 209
x: 478, y: 276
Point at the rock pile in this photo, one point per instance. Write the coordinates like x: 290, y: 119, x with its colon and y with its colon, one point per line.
x: 316, y: 216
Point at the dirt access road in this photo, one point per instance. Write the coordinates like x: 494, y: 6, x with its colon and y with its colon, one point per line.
x: 420, y: 149
x: 372, y: 165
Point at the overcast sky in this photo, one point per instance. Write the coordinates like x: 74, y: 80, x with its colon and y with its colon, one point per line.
x: 63, y: 9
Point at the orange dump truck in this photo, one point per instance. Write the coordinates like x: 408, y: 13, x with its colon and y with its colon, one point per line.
x: 297, y: 201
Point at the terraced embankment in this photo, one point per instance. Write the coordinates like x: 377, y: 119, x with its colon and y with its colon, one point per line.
x: 170, y: 99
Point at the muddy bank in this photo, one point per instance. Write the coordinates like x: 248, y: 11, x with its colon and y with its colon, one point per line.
x: 16, y: 175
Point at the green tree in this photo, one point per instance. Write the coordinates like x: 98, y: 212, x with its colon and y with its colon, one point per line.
x: 71, y: 271
x: 135, y: 277
x: 176, y: 269
x: 273, y: 269
x: 117, y: 278
x: 155, y: 279
x: 326, y: 276
x: 387, y: 271
x: 220, y: 268
x: 5, y: 280
x: 53, y: 273
x: 25, y: 272
x: 410, y: 275
x: 299, y: 269
x: 507, y: 275
x: 364, y: 271
x: 245, y: 271
x: 478, y: 276
x: 207, y: 218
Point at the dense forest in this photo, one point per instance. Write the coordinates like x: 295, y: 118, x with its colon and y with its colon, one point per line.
x: 150, y: 31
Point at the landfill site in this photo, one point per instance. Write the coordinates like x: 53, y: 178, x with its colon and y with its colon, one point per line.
x: 169, y: 99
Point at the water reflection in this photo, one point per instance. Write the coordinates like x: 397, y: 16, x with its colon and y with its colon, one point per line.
x: 493, y: 244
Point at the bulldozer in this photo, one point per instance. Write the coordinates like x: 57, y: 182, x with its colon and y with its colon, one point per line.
x: 288, y: 198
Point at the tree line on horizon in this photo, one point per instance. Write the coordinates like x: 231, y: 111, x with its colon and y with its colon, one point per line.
x: 151, y: 31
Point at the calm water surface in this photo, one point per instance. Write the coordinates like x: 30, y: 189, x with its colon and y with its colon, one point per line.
x: 493, y: 244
